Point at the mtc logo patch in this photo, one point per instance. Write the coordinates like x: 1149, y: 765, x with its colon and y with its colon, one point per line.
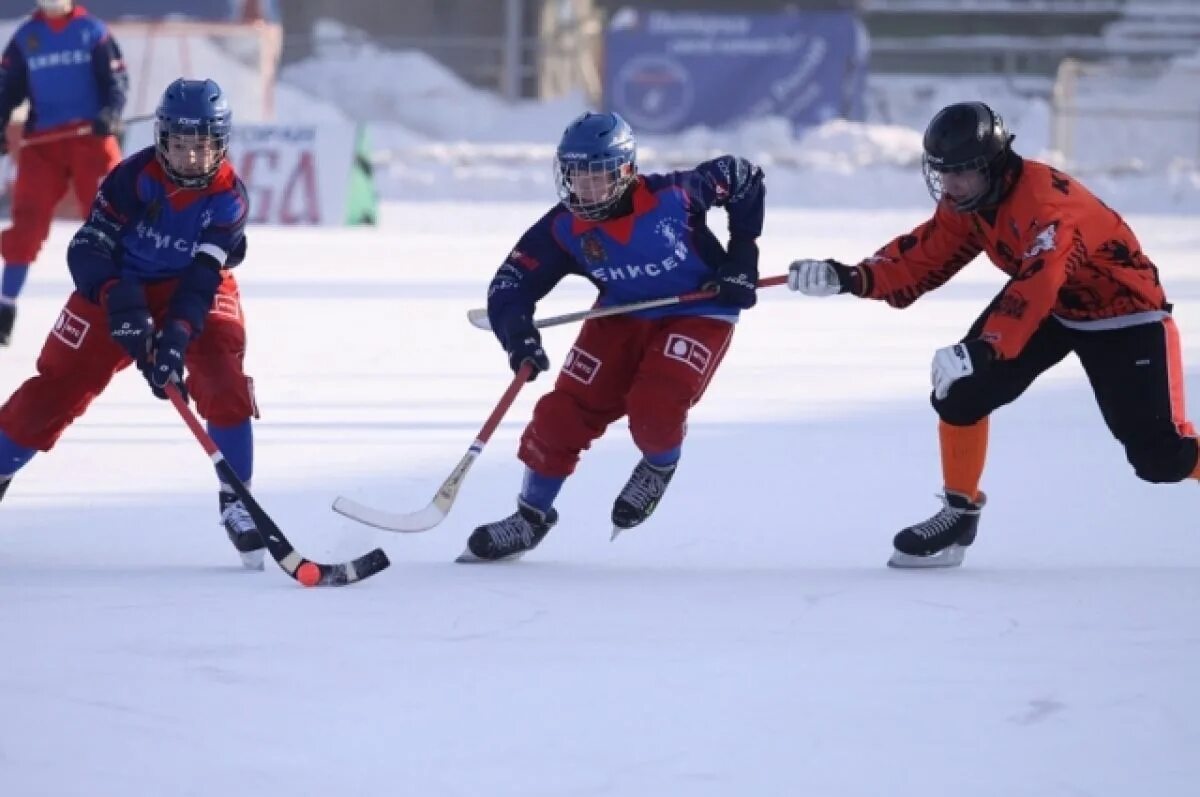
x: 581, y: 366
x: 690, y: 351
x: 70, y: 329
x: 227, y: 305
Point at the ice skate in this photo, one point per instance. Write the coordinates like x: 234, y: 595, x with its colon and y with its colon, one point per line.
x: 640, y: 495
x: 242, y: 531
x: 942, y: 540
x: 510, y: 538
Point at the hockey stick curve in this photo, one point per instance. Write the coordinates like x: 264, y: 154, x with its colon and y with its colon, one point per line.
x: 280, y: 548
x: 478, y: 316
x: 436, y: 511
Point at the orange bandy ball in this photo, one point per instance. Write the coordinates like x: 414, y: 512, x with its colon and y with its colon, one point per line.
x: 308, y: 574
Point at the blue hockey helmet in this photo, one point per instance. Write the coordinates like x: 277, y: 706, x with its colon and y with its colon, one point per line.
x: 595, y: 164
x: 191, y: 131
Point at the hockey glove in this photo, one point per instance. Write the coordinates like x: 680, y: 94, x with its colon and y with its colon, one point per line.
x: 129, y: 322
x: 737, y: 277
x: 107, y: 123
x: 523, y: 343
x: 961, y: 360
x: 820, y: 277
x: 166, y: 362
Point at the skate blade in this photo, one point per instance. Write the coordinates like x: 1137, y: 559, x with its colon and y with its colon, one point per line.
x: 616, y: 532
x: 947, y: 557
x: 468, y: 558
x: 252, y: 560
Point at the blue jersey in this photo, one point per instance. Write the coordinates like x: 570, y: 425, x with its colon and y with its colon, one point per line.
x: 143, y: 227
x: 69, y: 67
x: 661, y: 247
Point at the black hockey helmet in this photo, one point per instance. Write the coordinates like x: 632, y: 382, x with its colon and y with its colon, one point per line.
x: 966, y: 137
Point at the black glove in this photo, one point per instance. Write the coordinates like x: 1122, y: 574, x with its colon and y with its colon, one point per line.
x: 166, y: 360
x: 129, y: 322
x: 737, y: 277
x: 107, y: 123
x: 523, y: 343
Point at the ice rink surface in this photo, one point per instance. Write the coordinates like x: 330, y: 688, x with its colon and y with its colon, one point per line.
x: 748, y: 640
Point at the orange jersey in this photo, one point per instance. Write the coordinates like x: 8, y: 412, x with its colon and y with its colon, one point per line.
x: 1068, y: 254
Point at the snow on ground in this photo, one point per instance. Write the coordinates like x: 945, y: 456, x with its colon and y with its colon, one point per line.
x: 441, y: 139
x: 438, y: 138
x: 747, y: 640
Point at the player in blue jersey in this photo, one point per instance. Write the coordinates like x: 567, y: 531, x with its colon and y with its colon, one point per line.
x: 635, y: 237
x: 67, y: 64
x: 153, y: 286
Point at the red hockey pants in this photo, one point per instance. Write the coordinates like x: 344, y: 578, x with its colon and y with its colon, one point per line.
x: 654, y: 371
x: 79, y: 359
x: 44, y: 172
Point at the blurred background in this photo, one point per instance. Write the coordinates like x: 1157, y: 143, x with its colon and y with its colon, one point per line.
x: 465, y: 99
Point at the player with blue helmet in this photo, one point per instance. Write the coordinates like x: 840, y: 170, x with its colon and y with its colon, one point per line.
x: 66, y: 63
x: 152, y: 267
x: 635, y: 237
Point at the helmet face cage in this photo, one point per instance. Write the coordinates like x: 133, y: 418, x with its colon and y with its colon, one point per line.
x: 934, y: 173
x: 54, y: 7
x: 591, y: 187
x: 191, y: 152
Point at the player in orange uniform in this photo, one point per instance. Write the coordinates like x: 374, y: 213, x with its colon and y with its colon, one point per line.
x: 1079, y: 283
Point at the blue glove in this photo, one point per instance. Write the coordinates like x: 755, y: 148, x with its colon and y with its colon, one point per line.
x: 523, y: 343
x: 129, y: 322
x: 737, y: 277
x: 166, y: 360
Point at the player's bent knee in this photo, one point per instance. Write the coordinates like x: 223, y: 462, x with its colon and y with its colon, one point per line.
x: 960, y: 411
x: 1163, y: 462
x: 657, y: 420
x: 223, y: 398
x: 559, y: 416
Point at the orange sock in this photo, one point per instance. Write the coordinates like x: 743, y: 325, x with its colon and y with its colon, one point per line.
x: 964, y: 450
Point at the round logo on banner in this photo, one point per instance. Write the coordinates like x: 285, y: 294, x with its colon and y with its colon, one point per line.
x: 654, y: 93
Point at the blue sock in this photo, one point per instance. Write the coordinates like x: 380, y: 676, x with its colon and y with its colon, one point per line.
x: 13, y: 280
x: 237, y: 444
x: 666, y: 458
x: 12, y: 456
x: 540, y: 491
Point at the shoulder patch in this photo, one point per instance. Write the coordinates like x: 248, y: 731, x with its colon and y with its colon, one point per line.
x: 1044, y: 241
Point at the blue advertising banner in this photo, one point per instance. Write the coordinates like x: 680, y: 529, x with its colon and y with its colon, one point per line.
x: 667, y: 71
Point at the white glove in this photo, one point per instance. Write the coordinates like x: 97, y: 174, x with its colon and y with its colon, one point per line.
x: 950, y: 364
x: 814, y: 278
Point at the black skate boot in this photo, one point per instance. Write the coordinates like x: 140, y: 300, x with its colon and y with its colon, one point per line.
x: 942, y: 540
x: 242, y: 531
x: 8, y: 316
x: 4, y: 486
x: 640, y: 495
x: 509, y: 538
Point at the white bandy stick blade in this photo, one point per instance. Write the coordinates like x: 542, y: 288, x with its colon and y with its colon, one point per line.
x: 421, y: 520
x: 479, y: 318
